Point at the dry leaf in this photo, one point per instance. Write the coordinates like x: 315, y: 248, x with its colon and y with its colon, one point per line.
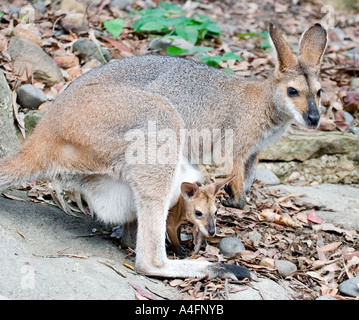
x: 175, y: 282
x: 10, y: 196
x: 271, y: 216
x: 143, y: 292
x: 129, y: 266
x: 139, y: 297
x: 301, y: 216
x: 119, y: 45
x: 331, y: 247
x: 312, y: 218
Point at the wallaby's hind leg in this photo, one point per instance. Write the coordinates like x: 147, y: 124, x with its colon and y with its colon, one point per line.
x: 151, y: 187
x: 152, y: 205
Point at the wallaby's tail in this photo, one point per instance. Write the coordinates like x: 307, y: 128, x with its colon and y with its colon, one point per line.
x: 11, y: 173
x: 28, y: 164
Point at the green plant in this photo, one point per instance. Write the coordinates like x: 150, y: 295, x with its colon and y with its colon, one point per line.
x: 114, y: 26
x: 170, y: 21
x: 265, y: 43
x: 262, y: 37
x: 214, y: 61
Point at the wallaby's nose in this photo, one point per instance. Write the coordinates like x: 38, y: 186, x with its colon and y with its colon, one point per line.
x: 314, y: 118
x: 211, y: 232
x: 211, y: 229
x: 313, y: 114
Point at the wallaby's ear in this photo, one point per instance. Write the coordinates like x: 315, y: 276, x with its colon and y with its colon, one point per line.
x: 189, y: 190
x: 214, y: 187
x: 285, y: 57
x: 312, y: 46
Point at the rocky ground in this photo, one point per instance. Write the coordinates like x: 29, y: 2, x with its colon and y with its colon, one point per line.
x: 300, y: 237
x: 47, y: 254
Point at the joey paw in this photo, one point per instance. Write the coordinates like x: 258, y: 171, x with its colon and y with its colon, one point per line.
x: 184, y: 248
x: 180, y: 253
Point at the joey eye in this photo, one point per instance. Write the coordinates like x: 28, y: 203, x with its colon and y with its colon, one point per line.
x: 319, y: 93
x: 216, y: 212
x: 198, y: 214
x: 292, y: 92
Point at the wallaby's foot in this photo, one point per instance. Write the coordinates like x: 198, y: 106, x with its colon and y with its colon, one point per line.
x: 229, y: 190
x: 223, y: 270
x: 233, y: 203
x: 192, y: 268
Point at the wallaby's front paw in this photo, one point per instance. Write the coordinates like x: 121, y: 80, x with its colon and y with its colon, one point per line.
x: 223, y: 270
x: 231, y: 202
x: 229, y: 190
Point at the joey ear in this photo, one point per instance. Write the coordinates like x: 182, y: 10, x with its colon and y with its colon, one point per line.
x: 312, y: 46
x: 189, y: 190
x: 285, y: 57
x: 219, y: 184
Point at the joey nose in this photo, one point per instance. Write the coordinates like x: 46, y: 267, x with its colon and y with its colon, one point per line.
x: 211, y: 232
x: 211, y: 229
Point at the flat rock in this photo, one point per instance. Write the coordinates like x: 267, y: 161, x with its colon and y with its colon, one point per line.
x: 340, y: 203
x: 30, y: 97
x: 88, y: 50
x: 266, y: 176
x: 350, y: 287
x: 263, y: 289
x: 319, y: 156
x: 230, y: 246
x: 9, y: 143
x: 26, y: 55
x: 32, y: 235
x: 302, y: 145
x: 284, y: 267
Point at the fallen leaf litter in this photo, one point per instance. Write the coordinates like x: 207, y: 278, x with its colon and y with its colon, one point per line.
x: 325, y: 255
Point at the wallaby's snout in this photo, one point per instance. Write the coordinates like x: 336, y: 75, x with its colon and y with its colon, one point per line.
x: 211, y: 227
x: 312, y: 117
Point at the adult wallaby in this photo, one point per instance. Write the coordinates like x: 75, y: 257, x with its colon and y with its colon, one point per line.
x: 87, y: 136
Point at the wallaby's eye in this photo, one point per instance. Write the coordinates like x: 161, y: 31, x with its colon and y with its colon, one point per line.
x: 319, y: 93
x: 216, y: 212
x: 198, y: 213
x: 292, y: 92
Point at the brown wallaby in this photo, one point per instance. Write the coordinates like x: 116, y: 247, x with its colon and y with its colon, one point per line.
x: 197, y: 205
x: 115, y: 134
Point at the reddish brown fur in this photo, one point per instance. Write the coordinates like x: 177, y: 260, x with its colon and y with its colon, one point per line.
x: 203, y: 200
